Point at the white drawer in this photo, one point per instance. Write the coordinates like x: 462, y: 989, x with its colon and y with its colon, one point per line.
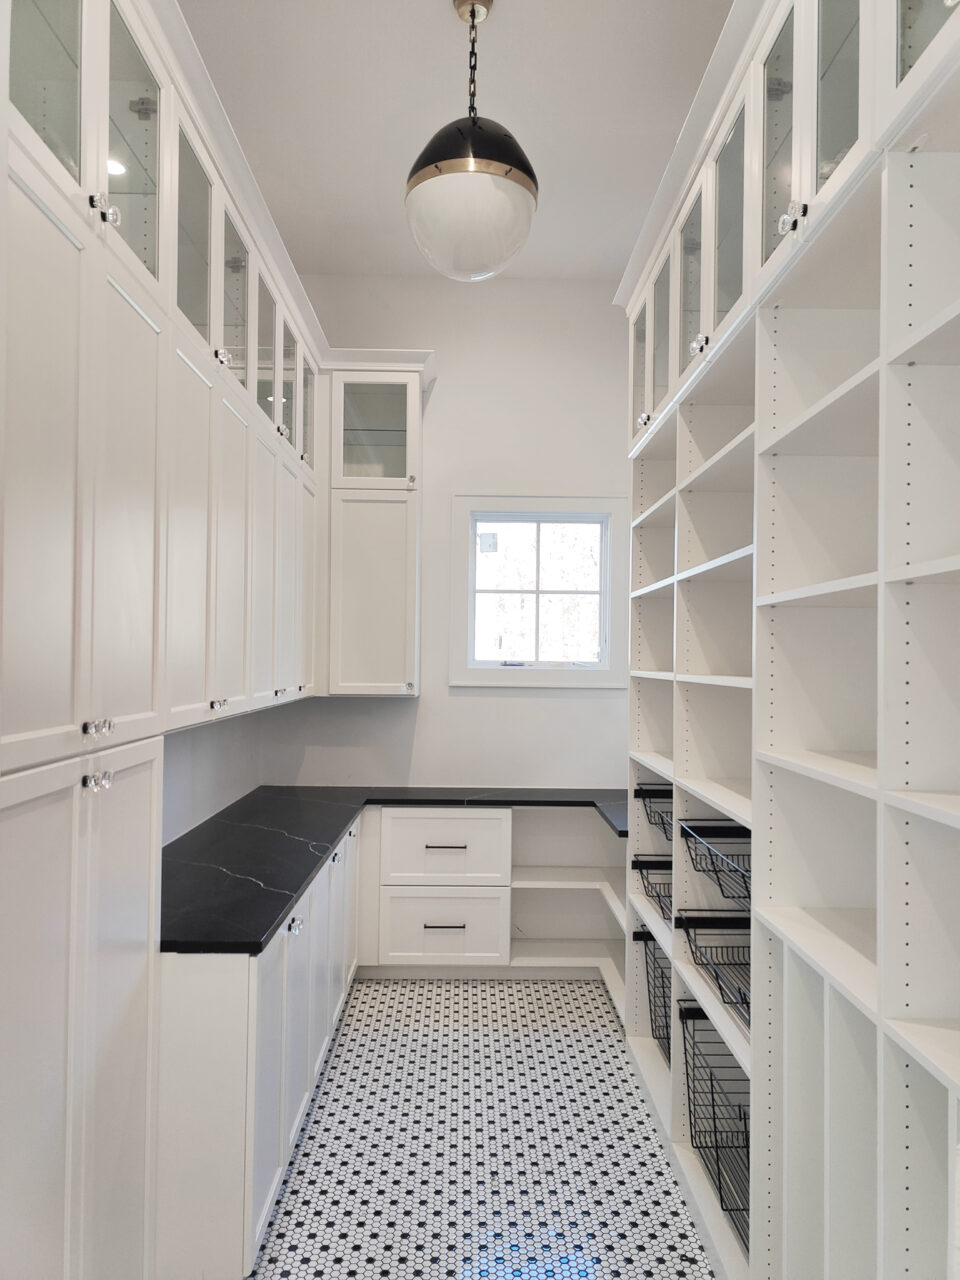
x: 443, y: 926
x: 445, y: 846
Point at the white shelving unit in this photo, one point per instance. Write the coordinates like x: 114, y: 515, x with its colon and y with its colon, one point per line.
x: 796, y: 603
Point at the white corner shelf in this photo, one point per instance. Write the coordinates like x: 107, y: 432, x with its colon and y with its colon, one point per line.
x: 650, y: 914
x: 840, y: 943
x: 609, y: 882
x: 564, y: 953
x: 729, y: 796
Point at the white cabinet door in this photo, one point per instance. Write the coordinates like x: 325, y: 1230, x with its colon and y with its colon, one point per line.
x: 38, y: 856
x: 124, y: 619
x: 263, y: 550
x: 374, y: 592
x: 351, y: 902
x: 266, y: 1156
x: 228, y: 587
x: 286, y: 619
x: 376, y: 430
x: 186, y: 448
x: 49, y: 343
x: 296, y: 1021
x: 319, y: 908
x: 336, y: 932
x: 121, y: 874
x: 307, y: 538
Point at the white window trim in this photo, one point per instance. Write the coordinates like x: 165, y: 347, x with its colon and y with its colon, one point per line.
x: 612, y: 675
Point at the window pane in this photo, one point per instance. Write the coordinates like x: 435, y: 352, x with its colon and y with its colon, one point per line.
x: 375, y: 429
x: 570, y: 628
x: 289, y: 381
x: 45, y: 73
x: 504, y: 629
x: 777, y: 135
x: 134, y: 105
x: 266, y: 345
x: 838, y: 116
x: 661, y: 334
x: 506, y: 555
x: 193, y: 240
x: 639, y: 366
x: 235, y: 299
x: 570, y: 556
x: 730, y: 222
x: 690, y: 254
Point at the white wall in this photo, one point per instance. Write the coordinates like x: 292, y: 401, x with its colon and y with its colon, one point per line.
x: 205, y: 769
x: 530, y: 401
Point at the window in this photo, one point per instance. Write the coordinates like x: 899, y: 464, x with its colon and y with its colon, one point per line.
x: 534, y: 589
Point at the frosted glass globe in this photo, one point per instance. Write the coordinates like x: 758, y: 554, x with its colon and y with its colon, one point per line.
x: 469, y: 225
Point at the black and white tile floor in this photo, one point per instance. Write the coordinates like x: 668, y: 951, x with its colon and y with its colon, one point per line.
x: 480, y: 1130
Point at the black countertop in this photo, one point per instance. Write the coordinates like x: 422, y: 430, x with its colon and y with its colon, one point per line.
x: 228, y: 884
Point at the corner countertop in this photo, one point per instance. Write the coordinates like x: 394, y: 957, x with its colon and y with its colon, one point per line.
x: 229, y: 883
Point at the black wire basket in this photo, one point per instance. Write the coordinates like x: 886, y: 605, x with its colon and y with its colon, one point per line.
x: 718, y: 1100
x: 658, y: 989
x: 658, y: 806
x: 656, y: 875
x: 721, y: 850
x: 720, y: 944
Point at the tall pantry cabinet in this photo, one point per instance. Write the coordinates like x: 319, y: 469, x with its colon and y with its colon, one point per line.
x: 794, y: 866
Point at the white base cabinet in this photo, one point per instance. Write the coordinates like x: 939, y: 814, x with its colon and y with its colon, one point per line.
x: 242, y: 1040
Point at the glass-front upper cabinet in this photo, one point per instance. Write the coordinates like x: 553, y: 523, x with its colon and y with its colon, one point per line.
x: 133, y: 158
x: 919, y: 22
x: 640, y: 415
x: 288, y: 384
x: 235, y: 261
x: 838, y: 83
x: 728, y: 246
x: 376, y: 430
x: 661, y: 335
x: 308, y: 404
x: 691, y: 260
x: 193, y: 239
x: 45, y: 73
x: 777, y: 139
x: 266, y: 349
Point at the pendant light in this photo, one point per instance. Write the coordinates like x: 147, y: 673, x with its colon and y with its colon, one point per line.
x: 471, y: 192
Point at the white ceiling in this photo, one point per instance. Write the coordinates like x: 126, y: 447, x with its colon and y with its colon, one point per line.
x: 332, y: 101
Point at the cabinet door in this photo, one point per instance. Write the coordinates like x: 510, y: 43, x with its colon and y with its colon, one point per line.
x: 351, y: 899
x: 296, y: 1021
x: 376, y: 430
x: 124, y: 669
x: 228, y: 587
x: 265, y: 1134
x: 121, y: 890
x: 263, y: 518
x: 319, y: 906
x: 374, y: 592
x: 336, y: 932
x: 307, y: 536
x: 48, y: 350
x: 187, y: 465
x: 38, y: 1120
x: 286, y: 620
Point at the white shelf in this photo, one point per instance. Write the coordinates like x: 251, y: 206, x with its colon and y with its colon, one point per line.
x: 609, y: 882
x: 937, y: 342
x: 945, y: 570
x: 938, y: 806
x: 840, y: 943
x: 734, y: 566
x: 564, y: 953
x: 722, y: 682
x: 843, y: 423
x: 652, y: 1068
x: 663, y: 586
x: 854, y: 771
x: 651, y: 675
x: 725, y: 1023
x: 722, y: 1235
x: 657, y: 513
x: 649, y: 913
x: 729, y: 796
x: 858, y: 591
x: 730, y: 468
x: 655, y: 762
x: 934, y: 1043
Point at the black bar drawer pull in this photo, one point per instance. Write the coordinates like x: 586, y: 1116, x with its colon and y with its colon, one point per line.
x: 445, y: 926
x: 460, y: 848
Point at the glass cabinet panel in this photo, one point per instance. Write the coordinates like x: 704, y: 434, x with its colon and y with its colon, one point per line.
x: 661, y: 334
x: 777, y: 135
x: 235, y: 299
x: 729, y: 259
x: 375, y: 429
x: 193, y: 240
x: 289, y: 383
x: 132, y: 163
x: 691, y: 247
x: 919, y: 23
x: 45, y: 73
x: 307, y: 401
x: 639, y: 367
x: 838, y: 85
x: 266, y: 348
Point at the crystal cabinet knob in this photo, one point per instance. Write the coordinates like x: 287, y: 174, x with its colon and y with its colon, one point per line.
x: 107, y: 727
x: 224, y: 356
x: 296, y: 924
x: 106, y: 780
x: 278, y: 693
x: 111, y: 216
x: 90, y: 782
x: 411, y: 481
x: 409, y: 686
x: 790, y: 220
x: 643, y: 420
x: 91, y: 728
x: 109, y: 213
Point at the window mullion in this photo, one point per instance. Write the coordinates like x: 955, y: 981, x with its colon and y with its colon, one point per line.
x: 536, y: 599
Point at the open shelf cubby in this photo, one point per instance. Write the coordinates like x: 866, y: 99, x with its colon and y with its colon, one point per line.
x: 715, y: 626
x: 715, y: 510
x: 713, y: 745
x: 653, y: 545
x: 817, y: 665
x: 651, y: 717
x: 721, y: 404
x: 651, y: 631
x: 655, y: 466
x: 718, y: 943
x: 803, y: 1119
x: 815, y: 876
x: 720, y: 853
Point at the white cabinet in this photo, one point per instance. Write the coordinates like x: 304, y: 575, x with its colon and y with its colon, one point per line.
x: 445, y: 846
x: 374, y: 592
x: 376, y: 430
x: 228, y: 599
x: 320, y: 965
x: 440, y: 925
x: 266, y: 1138
x: 297, y: 1081
x: 263, y: 553
x: 287, y: 636
x: 307, y: 604
x: 76, y: 1097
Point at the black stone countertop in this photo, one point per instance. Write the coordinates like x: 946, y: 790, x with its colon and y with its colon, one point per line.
x: 229, y: 883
